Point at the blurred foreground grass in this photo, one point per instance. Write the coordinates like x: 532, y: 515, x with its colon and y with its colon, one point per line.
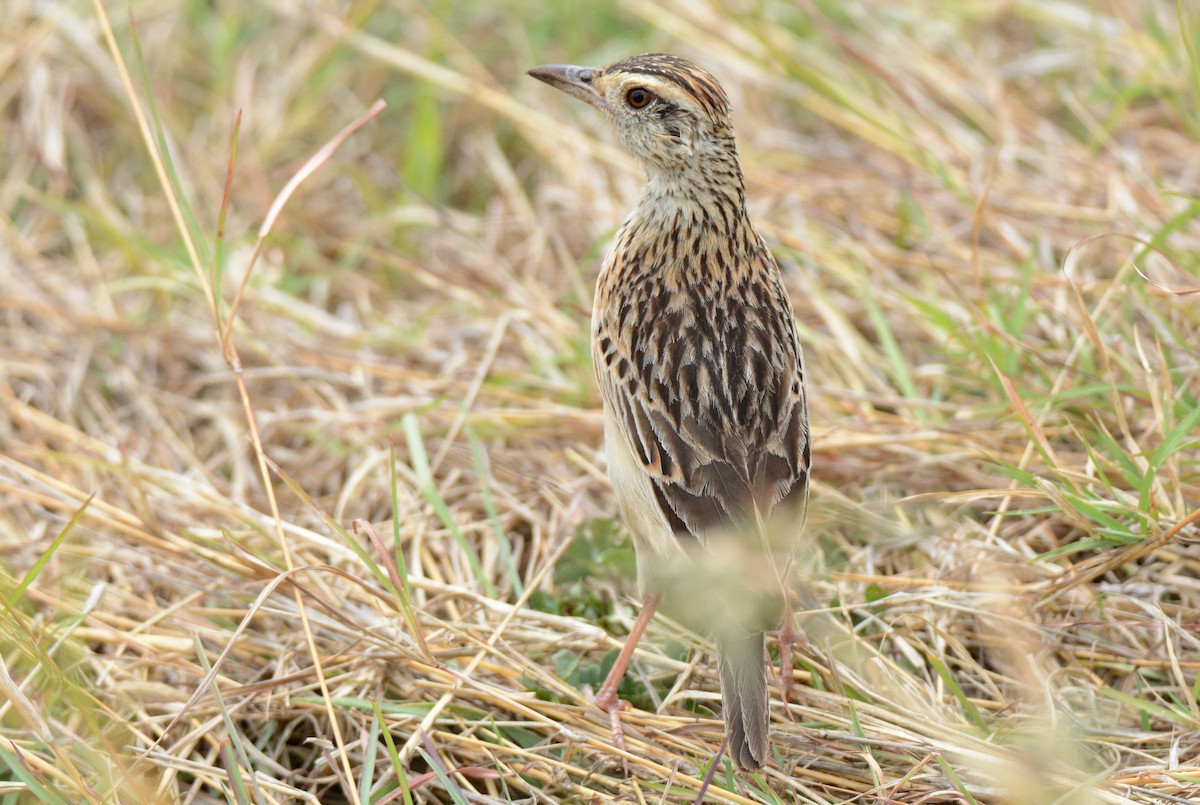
x: 988, y: 214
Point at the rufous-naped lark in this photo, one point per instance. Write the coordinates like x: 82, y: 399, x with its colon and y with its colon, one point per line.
x: 699, y: 367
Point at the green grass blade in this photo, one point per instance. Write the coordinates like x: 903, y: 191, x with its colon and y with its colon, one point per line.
x: 957, y: 692
x: 489, y: 507
x: 39, y: 788
x: 165, y: 150
x: 47, y: 554
x: 1175, y: 438
x: 420, y: 464
x: 948, y: 770
x: 397, y: 766
x: 450, y: 787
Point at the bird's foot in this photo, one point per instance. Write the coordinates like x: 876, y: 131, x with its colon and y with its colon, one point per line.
x: 789, y: 636
x: 608, y: 701
x: 606, y: 698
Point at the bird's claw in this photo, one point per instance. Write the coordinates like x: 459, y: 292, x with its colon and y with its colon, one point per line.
x: 788, y: 636
x: 608, y: 701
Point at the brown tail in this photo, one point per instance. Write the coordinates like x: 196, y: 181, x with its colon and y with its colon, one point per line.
x: 744, y: 699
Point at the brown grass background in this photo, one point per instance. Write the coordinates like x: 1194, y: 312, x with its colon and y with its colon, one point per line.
x: 311, y: 507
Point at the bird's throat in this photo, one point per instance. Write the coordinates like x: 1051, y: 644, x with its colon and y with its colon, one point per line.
x: 710, y: 184
x: 696, y: 206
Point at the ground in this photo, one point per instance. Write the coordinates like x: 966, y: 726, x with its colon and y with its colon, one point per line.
x: 302, y: 496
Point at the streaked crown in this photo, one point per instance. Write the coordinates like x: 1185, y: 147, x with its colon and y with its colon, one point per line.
x: 672, y: 114
x: 679, y: 77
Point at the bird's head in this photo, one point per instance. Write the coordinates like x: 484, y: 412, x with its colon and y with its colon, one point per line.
x: 671, y: 114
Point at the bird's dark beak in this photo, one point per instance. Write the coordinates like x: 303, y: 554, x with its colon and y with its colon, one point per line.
x: 572, y: 80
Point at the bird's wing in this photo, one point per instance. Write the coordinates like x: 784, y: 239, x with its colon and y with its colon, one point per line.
x: 711, y: 403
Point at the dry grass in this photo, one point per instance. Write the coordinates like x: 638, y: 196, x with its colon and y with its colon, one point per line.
x: 989, y: 218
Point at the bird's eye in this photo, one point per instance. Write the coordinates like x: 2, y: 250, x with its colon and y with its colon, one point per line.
x: 638, y: 98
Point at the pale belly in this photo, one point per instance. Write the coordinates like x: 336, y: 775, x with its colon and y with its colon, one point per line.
x: 652, y: 535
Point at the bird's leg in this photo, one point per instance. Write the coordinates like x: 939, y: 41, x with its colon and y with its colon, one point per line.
x: 606, y: 698
x: 788, y: 636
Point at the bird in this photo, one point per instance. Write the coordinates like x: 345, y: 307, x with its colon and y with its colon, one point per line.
x: 701, y: 377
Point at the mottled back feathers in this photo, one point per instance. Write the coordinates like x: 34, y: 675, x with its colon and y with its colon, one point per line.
x: 699, y: 367
x: 696, y: 354
x: 694, y: 343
